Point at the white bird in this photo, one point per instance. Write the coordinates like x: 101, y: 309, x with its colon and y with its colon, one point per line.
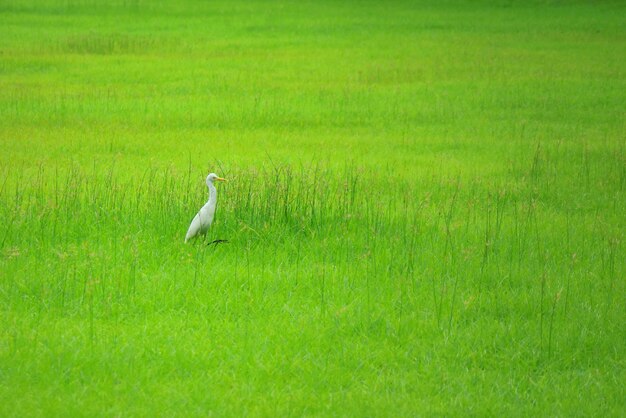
x: 204, y: 218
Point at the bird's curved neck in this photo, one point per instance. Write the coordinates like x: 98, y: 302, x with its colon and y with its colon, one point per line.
x: 212, y: 193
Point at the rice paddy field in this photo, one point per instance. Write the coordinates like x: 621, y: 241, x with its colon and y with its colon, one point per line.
x: 425, y: 208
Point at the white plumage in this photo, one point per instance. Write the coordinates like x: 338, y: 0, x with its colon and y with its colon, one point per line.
x: 204, y: 218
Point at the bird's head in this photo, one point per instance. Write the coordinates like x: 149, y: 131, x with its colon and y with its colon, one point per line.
x: 212, y: 177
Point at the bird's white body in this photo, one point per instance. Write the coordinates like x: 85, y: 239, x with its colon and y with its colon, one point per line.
x: 204, y: 218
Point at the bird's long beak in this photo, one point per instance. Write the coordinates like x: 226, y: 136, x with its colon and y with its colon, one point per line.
x: 220, y: 179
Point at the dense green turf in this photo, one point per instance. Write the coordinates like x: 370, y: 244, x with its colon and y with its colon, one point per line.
x: 426, y: 208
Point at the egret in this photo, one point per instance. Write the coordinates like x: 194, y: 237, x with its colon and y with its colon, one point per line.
x: 204, y: 218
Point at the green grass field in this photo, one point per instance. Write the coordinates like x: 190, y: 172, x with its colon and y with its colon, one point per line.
x: 426, y: 208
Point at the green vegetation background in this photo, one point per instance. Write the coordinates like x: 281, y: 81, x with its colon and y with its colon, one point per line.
x: 426, y: 208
